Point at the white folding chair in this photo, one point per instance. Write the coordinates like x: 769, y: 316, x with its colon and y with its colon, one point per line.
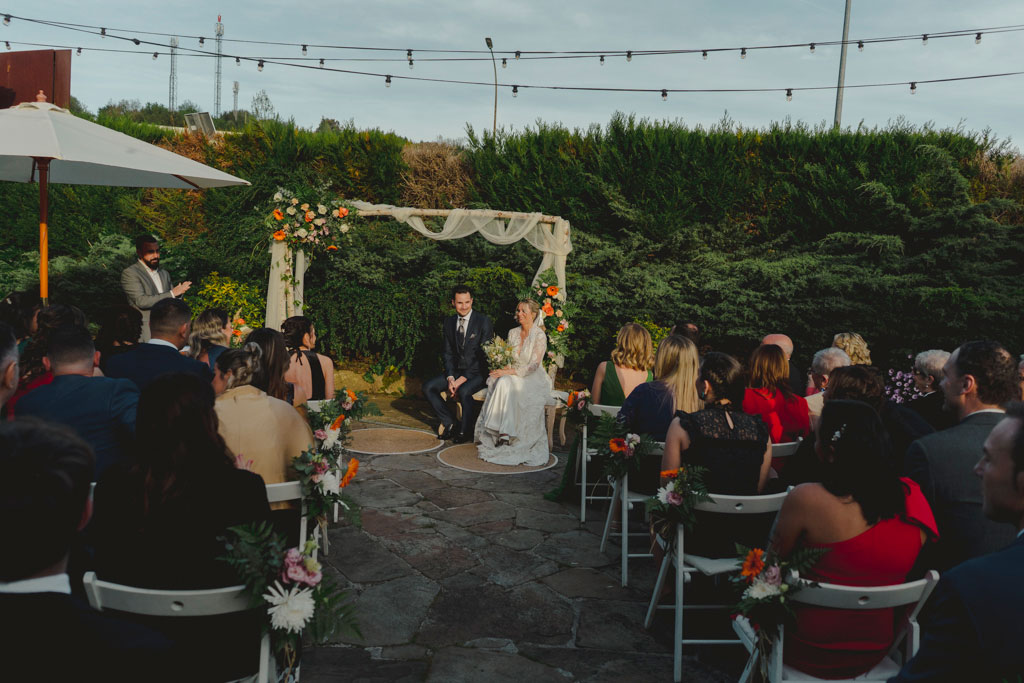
x: 849, y: 598
x: 784, y: 450
x: 585, y: 454
x: 688, y: 563
x: 289, y: 491
x: 208, y: 602
x: 626, y: 499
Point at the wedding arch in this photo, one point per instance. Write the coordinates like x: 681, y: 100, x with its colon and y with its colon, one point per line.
x: 548, y: 234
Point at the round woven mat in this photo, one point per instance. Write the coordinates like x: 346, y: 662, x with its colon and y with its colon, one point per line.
x: 464, y: 457
x: 388, y: 441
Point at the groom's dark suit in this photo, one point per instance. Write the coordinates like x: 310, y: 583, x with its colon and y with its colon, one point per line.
x: 462, y: 358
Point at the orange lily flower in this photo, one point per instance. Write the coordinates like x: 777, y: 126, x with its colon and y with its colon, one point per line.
x: 278, y: 215
x: 353, y: 467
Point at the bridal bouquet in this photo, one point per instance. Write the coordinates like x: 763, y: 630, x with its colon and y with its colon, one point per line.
x: 500, y: 353
x: 767, y: 585
x: 291, y: 588
x: 676, y: 502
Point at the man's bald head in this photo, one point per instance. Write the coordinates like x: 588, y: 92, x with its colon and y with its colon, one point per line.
x: 780, y: 340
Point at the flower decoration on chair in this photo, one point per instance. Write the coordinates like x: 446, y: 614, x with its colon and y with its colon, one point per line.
x: 313, y: 222
x: 620, y: 449
x: 676, y: 502
x: 500, y: 353
x: 577, y: 404
x: 296, y: 597
x: 767, y: 585
x: 324, y: 478
x: 332, y: 421
x: 558, y: 315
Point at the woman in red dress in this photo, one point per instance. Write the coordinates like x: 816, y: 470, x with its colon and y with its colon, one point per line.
x: 770, y: 396
x: 871, y: 523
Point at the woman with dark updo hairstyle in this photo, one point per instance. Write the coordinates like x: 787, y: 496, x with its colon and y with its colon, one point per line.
x: 270, y: 377
x: 870, y: 522
x: 312, y: 371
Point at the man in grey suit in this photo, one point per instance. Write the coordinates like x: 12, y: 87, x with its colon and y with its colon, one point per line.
x: 978, y: 378
x: 145, y: 282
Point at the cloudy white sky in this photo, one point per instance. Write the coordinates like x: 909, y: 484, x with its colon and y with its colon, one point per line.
x: 427, y: 111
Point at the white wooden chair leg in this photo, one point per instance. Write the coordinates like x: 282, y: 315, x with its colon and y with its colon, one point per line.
x: 583, y: 477
x: 624, y: 521
x: 653, y: 607
x: 335, y: 513
x: 266, y: 660
x: 611, y: 512
x: 677, y: 645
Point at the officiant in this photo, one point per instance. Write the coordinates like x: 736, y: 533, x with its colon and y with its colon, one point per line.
x: 465, y: 366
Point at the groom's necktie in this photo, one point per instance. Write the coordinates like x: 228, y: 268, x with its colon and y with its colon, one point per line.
x: 462, y: 331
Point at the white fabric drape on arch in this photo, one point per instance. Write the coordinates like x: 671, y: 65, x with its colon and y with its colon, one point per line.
x: 285, y: 286
x: 551, y: 239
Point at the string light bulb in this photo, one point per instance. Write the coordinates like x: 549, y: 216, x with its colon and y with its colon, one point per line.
x: 7, y: 43
x: 321, y: 62
x: 155, y: 54
x: 977, y: 38
x: 812, y: 48
x: 7, y: 20
x: 518, y: 53
x: 515, y: 91
x: 860, y: 46
x: 602, y: 60
x: 504, y: 62
x: 103, y: 33
x: 136, y: 41
x: 743, y: 53
x: 259, y: 67
x: 408, y: 55
x: 704, y: 54
x: 913, y: 87
x: 410, y: 64
x: 924, y: 38
x: 304, y: 51
x: 238, y: 61
x: 202, y: 41
x: 664, y: 95
x: 789, y: 94
x: 387, y: 81
x: 79, y: 52
x: 629, y: 55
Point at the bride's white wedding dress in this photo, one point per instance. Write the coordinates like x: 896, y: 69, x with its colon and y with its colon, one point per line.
x: 514, y: 407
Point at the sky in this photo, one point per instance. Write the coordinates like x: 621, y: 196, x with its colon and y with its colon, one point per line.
x: 431, y: 111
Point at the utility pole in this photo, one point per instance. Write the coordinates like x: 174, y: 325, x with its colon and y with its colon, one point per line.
x: 218, y: 31
x: 172, y: 96
x: 490, y: 46
x: 842, y: 68
x: 234, y: 110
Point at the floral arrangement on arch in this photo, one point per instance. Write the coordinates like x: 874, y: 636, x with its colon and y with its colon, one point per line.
x: 295, y: 595
x: 620, y: 449
x: 676, y: 502
x: 767, y: 585
x: 558, y: 316
x: 313, y: 223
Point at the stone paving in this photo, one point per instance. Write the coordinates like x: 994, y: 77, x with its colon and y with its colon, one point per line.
x: 459, y: 576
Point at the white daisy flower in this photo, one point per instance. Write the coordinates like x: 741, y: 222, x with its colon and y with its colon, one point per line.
x: 759, y: 590
x: 290, y: 610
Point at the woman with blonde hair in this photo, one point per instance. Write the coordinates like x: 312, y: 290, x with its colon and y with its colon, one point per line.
x: 629, y: 367
x: 210, y: 335
x: 770, y: 395
x: 651, y: 406
x: 855, y: 346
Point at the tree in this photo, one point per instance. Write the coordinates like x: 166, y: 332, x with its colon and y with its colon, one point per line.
x: 78, y: 108
x: 262, y: 107
x: 327, y: 124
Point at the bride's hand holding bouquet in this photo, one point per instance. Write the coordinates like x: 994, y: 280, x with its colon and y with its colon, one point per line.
x: 501, y: 356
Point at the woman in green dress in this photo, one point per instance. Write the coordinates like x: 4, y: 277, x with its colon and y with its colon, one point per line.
x: 629, y: 367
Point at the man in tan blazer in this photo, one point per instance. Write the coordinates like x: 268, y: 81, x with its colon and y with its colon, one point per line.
x: 145, y: 282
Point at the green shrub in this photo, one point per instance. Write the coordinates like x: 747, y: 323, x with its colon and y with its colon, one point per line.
x: 240, y: 300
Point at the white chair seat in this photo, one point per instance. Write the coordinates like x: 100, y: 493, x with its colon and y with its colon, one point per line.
x: 711, y: 566
x: 885, y: 670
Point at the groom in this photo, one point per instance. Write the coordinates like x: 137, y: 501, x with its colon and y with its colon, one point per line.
x: 465, y: 365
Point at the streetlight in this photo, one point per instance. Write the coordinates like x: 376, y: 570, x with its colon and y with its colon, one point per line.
x: 490, y: 46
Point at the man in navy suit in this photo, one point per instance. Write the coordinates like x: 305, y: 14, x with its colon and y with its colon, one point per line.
x: 101, y: 410
x: 973, y: 629
x: 465, y: 365
x: 169, y: 324
x: 46, y: 634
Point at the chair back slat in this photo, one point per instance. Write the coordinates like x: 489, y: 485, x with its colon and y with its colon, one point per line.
x: 866, y: 597
x: 104, y: 595
x: 315, y: 406
x: 285, y: 491
x: 600, y: 409
x: 743, y: 505
x: 783, y: 450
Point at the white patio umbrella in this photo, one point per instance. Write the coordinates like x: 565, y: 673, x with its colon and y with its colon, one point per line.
x: 40, y: 142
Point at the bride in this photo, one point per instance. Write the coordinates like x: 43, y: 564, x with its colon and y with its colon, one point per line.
x: 511, y: 428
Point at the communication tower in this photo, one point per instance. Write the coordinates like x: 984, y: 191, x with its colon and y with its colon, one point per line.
x: 218, y: 31
x: 234, y: 109
x: 172, y: 95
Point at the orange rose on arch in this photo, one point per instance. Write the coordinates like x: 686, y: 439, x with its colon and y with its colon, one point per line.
x: 279, y: 235
x: 548, y: 310
x: 560, y: 328
x: 342, y: 212
x: 331, y: 247
x: 552, y: 291
x: 310, y: 216
x: 278, y: 215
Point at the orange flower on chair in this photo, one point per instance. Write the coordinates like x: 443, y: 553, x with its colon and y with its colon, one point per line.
x: 278, y: 215
x: 669, y: 474
x: 617, y: 445
x: 279, y: 235
x: 754, y: 564
x: 552, y: 291
x: 353, y: 467
x: 548, y: 310
x: 351, y: 395
x: 337, y: 422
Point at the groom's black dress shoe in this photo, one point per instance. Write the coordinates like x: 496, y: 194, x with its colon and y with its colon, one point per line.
x: 449, y: 432
x: 460, y: 438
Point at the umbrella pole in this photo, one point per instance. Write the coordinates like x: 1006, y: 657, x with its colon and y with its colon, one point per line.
x: 43, y: 165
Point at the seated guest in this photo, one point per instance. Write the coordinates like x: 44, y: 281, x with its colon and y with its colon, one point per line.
x: 312, y: 371
x: 770, y: 396
x: 972, y: 630
x: 20, y: 310
x: 822, y: 365
x: 33, y: 371
x: 255, y: 426
x: 629, y: 367
x: 687, y: 329
x: 927, y: 376
x: 120, y: 332
x: 651, y: 407
x: 797, y: 377
x: 978, y: 379
x: 8, y: 363
x: 101, y: 410
x: 854, y: 346
x: 169, y: 323
x: 159, y: 523
x: 47, y: 634
x: 210, y: 336
x: 872, y: 525
x: 273, y: 365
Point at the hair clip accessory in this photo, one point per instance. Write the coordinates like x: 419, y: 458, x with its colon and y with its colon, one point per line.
x: 838, y: 434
